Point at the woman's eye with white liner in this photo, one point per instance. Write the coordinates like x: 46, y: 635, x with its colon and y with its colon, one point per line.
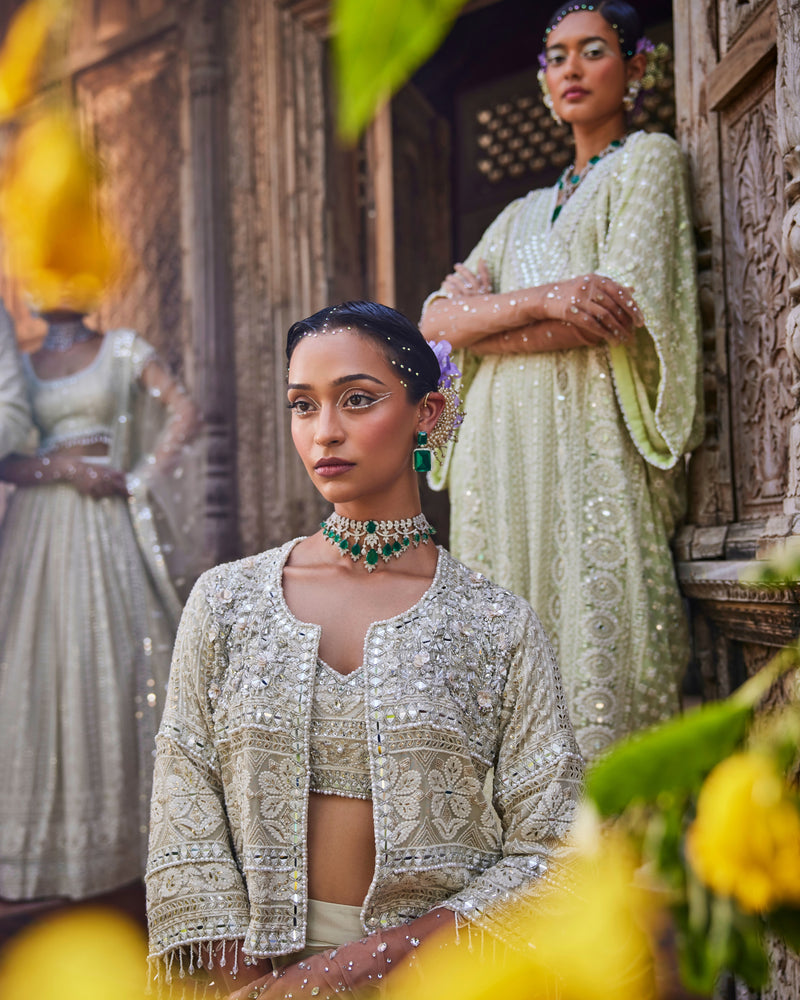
x: 595, y: 50
x: 555, y: 58
x: 358, y: 399
x: 301, y: 407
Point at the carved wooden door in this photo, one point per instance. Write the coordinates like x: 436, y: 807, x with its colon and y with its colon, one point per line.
x: 726, y: 58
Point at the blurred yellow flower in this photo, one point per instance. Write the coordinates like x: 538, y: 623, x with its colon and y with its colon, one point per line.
x: 23, y: 52
x: 49, y: 217
x: 745, y: 840
x: 85, y: 954
x: 589, y: 936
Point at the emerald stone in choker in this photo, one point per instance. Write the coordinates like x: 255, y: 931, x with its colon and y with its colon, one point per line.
x: 374, y: 540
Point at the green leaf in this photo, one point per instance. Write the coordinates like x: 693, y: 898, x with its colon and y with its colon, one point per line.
x: 786, y: 924
x: 671, y: 758
x: 378, y: 44
x: 676, y: 756
x: 750, y: 962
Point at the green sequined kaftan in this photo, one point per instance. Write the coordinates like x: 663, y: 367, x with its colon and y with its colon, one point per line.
x: 567, y: 478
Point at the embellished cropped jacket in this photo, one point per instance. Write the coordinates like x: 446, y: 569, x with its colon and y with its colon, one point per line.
x: 463, y: 682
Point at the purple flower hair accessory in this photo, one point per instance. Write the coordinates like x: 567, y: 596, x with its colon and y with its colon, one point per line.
x: 644, y: 45
x: 443, y: 350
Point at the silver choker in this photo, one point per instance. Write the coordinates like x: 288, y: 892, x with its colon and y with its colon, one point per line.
x: 373, y: 540
x: 62, y: 336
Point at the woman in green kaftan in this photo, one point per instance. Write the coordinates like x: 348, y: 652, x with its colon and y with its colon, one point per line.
x: 577, y: 316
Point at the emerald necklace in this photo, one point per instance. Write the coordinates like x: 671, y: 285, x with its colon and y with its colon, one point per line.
x: 375, y: 540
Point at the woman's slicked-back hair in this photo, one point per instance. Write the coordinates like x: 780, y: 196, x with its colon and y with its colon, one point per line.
x: 397, y: 337
x: 622, y: 17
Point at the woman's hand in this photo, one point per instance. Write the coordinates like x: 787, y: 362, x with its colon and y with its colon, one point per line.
x: 600, y: 309
x: 318, y: 976
x: 96, y: 481
x: 89, y: 478
x: 463, y: 283
x: 597, y: 305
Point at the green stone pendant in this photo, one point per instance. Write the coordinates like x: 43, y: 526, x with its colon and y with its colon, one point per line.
x: 422, y: 460
x: 422, y: 454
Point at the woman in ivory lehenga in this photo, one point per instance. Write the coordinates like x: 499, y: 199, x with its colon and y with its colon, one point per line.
x: 88, y: 611
x: 335, y: 706
x: 577, y: 316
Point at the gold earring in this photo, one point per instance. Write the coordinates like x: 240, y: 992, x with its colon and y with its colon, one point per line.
x: 629, y: 100
x: 547, y: 98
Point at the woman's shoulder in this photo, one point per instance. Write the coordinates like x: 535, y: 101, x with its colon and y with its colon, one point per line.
x: 481, y: 596
x: 525, y: 203
x: 228, y: 584
x: 656, y: 148
x: 128, y: 346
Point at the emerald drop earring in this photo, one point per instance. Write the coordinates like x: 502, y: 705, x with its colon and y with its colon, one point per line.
x: 422, y: 453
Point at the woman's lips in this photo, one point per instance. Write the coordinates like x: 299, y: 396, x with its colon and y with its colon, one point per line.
x: 332, y: 466
x: 574, y: 93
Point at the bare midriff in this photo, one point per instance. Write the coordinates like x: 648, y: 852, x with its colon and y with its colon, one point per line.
x: 341, y: 849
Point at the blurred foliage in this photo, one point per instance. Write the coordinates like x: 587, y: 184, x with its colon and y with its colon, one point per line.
x: 56, y: 244
x: 84, y: 954
x: 708, y: 800
x: 29, y: 37
x: 591, y: 931
x: 378, y: 44
x: 49, y: 217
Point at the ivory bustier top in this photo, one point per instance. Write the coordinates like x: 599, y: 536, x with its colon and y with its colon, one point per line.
x: 338, y: 737
x: 82, y: 408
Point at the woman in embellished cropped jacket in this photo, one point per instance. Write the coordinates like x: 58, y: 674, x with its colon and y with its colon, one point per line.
x: 462, y: 682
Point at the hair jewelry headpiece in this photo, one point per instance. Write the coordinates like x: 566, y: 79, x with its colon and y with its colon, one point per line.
x: 576, y: 8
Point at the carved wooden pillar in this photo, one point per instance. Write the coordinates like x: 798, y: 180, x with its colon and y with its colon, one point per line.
x: 787, y: 97
x: 210, y: 291
x: 785, y: 981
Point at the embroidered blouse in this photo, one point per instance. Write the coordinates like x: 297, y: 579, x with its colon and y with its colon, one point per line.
x: 338, y: 737
x: 462, y: 682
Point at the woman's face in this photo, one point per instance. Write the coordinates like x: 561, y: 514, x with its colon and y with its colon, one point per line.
x: 353, y: 424
x: 586, y: 73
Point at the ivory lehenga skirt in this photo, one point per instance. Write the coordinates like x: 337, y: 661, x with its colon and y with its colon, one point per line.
x: 85, y: 643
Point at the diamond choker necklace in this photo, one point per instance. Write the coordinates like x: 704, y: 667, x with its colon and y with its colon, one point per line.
x: 61, y: 336
x: 376, y: 539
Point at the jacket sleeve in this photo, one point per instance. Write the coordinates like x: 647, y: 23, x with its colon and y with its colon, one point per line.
x: 196, y: 896
x: 537, y: 784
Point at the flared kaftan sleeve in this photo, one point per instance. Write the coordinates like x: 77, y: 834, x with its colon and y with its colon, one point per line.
x: 490, y: 247
x: 195, y: 890
x: 649, y: 245
x: 537, y: 784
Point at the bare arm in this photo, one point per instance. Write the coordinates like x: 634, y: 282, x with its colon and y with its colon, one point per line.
x: 589, y: 309
x: 358, y: 967
x: 183, y: 422
x: 87, y: 478
x: 537, y: 338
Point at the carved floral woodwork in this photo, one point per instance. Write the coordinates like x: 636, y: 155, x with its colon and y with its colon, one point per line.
x: 757, y: 301
x: 788, y: 126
